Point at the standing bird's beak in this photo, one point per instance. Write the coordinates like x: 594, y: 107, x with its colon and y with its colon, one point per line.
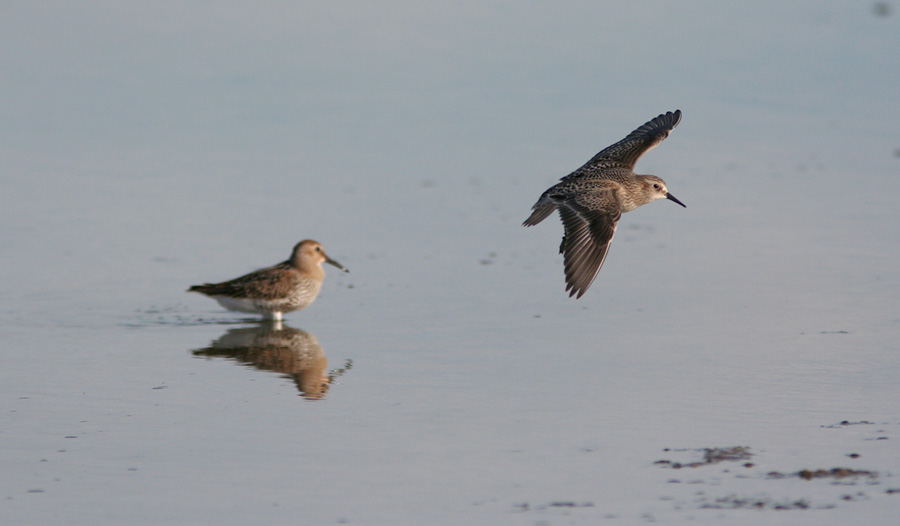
x: 671, y: 197
x: 338, y: 265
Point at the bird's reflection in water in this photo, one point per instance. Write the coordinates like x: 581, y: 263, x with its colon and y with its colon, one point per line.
x: 273, y: 346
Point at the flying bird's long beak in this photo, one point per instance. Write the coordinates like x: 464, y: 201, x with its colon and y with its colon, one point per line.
x: 338, y: 265
x: 671, y: 197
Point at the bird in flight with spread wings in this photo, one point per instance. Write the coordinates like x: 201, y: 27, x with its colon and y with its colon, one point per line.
x: 591, y: 200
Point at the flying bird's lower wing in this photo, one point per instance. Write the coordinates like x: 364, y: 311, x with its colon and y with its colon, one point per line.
x: 586, y: 242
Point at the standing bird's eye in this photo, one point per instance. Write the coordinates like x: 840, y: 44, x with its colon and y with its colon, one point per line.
x: 656, y: 185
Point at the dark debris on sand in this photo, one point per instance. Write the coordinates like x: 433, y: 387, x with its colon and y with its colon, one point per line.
x: 835, y: 473
x: 711, y: 456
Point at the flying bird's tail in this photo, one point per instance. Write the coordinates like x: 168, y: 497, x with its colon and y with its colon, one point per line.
x: 540, y: 212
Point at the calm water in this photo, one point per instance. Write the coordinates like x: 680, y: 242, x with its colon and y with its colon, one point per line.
x: 448, y: 379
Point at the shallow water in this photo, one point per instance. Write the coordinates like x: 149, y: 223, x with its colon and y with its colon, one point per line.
x: 448, y: 379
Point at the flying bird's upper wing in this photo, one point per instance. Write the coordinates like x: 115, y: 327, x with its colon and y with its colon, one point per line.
x: 626, y: 152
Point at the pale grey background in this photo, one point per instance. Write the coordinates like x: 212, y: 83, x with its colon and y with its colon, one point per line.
x: 149, y: 146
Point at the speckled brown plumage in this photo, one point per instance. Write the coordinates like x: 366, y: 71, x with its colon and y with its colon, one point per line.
x: 288, y: 286
x: 591, y: 200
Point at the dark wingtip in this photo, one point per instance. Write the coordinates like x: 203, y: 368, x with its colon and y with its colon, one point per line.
x: 676, y: 116
x: 573, y: 291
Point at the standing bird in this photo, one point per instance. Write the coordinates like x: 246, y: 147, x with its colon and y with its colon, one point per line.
x: 591, y: 200
x: 288, y: 286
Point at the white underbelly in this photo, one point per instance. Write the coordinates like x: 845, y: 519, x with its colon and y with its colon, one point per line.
x: 242, y: 304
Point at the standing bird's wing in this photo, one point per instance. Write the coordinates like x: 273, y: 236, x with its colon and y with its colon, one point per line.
x: 626, y: 152
x: 590, y: 225
x: 263, y: 284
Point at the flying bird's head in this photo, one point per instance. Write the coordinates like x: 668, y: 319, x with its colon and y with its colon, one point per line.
x: 653, y: 188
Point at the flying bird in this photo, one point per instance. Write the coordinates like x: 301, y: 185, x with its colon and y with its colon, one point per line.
x: 591, y: 200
